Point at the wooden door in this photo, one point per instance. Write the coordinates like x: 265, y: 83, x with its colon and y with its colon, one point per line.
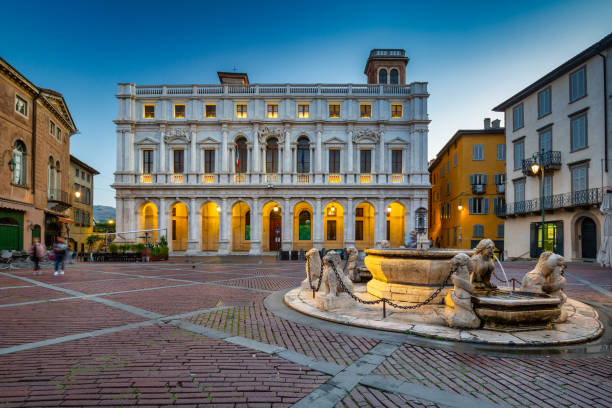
x: 275, y: 232
x: 589, y: 239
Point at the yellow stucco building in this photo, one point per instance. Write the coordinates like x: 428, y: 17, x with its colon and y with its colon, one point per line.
x: 468, y: 186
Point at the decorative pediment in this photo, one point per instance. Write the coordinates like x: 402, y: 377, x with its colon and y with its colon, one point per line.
x: 334, y: 140
x: 146, y: 140
x: 208, y: 140
x: 398, y: 141
x: 366, y: 136
x: 266, y: 132
x: 178, y: 135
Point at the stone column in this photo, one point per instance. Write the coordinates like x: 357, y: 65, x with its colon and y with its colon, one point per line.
x: 162, y: 220
x: 224, y: 154
x: 380, y: 222
x: 349, y: 224
x: 381, y: 162
x: 408, y: 221
x: 255, y: 228
x: 287, y: 233
x: 225, y: 228
x: 256, y: 153
x: 287, y: 162
x: 192, y: 167
x: 349, y: 161
x: 319, y: 149
x: 194, y: 233
x: 317, y: 224
x: 120, y: 152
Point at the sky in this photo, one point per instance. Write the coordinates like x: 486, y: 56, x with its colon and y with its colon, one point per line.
x: 473, y: 54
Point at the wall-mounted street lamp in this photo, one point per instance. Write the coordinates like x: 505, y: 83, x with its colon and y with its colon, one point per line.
x: 77, y: 194
x: 218, y: 209
x: 460, y: 206
x: 536, y: 168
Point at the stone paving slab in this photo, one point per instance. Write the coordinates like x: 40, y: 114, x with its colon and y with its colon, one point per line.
x: 14, y: 295
x: 106, y: 286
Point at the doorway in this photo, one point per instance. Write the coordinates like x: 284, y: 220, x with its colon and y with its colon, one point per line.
x: 275, y: 231
x: 588, y: 233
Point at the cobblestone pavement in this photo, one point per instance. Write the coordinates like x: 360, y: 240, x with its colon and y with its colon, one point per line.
x: 199, y: 332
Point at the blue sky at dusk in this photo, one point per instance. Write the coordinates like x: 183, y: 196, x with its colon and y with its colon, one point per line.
x: 473, y: 54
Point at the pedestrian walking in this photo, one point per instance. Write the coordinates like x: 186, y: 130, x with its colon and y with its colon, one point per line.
x: 59, y: 248
x: 38, y: 252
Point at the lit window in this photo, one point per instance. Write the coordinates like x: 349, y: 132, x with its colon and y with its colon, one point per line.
x: 179, y: 161
x: 179, y: 111
x: 303, y: 111
x: 334, y: 111
x: 272, y: 110
x: 209, y: 161
x: 211, y: 111
x: 52, y: 128
x: 147, y: 161
x: 149, y: 111
x: 241, y: 111
x: 396, y: 111
x: 396, y: 161
x: 365, y: 111
x: 334, y: 161
x: 21, y: 105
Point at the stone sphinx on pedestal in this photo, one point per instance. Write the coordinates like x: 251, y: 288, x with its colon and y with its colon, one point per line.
x: 459, y: 310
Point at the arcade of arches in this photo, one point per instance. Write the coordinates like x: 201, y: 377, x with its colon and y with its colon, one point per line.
x: 193, y: 228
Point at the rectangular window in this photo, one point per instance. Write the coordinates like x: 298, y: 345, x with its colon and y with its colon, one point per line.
x: 579, y: 178
x: 303, y: 111
x: 365, y: 161
x: 501, y: 151
x: 544, y: 103
x: 478, y: 231
x: 500, y: 178
x: 76, y: 173
x: 83, y: 175
x: 149, y: 111
x: 455, y: 159
x: 174, y: 230
x: 147, y: 161
x: 334, y: 161
x: 546, y: 140
x: 519, y: 191
x: 59, y: 134
x: 500, y: 230
x: 21, y: 105
x: 272, y: 110
x: 359, y: 230
x: 209, y: 161
x: 578, y: 130
x: 448, y: 188
x: 499, y: 204
x: 211, y: 111
x: 479, y: 179
x: 241, y: 110
x: 179, y: 111
x: 548, y: 185
x: 88, y: 177
x: 478, y: 152
x: 88, y: 195
x: 178, y: 161
x: 365, y: 111
x: 517, y: 117
x: 478, y: 205
x: 52, y: 127
x: 577, y: 84
x: 396, y: 111
x: 334, y: 110
x: 519, y: 154
x: 331, y: 230
x: 396, y: 162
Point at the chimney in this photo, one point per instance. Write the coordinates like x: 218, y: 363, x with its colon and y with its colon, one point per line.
x: 487, y: 123
x: 496, y: 123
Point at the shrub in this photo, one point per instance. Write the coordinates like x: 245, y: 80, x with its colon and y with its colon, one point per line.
x: 113, y: 248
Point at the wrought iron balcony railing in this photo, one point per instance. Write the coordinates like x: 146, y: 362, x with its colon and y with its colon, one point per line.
x: 500, y: 188
x: 583, y: 198
x: 479, y: 188
x: 551, y: 160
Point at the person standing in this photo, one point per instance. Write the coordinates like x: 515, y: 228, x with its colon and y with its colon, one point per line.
x: 59, y: 248
x: 38, y: 253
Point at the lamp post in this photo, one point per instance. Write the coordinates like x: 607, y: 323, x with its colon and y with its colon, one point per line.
x: 536, y: 167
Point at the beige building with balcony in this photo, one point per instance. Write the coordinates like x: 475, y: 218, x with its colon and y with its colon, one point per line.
x: 253, y: 168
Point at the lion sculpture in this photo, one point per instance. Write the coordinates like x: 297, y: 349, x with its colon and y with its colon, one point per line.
x: 351, y: 266
x: 385, y: 244
x: 547, y: 277
x: 313, y: 268
x: 483, y: 267
x: 461, y: 315
x: 330, y: 295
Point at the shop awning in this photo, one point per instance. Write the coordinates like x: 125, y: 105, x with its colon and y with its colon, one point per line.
x: 65, y: 220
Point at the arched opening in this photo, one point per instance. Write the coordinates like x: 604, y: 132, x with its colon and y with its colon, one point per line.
x: 588, y: 238
x: 148, y: 221
x: 364, y: 226
x: 241, y: 227
x: 333, y: 226
x: 395, y: 227
x: 272, y: 227
x: 382, y: 76
x: 179, y: 226
x: 272, y: 155
x: 394, y: 77
x: 242, y: 153
x: 303, y: 155
x: 210, y: 226
x: 19, y: 157
x: 302, y: 226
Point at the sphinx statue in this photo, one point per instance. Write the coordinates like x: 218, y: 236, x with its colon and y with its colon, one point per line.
x: 313, y: 269
x: 331, y: 295
x: 459, y: 310
x: 483, y: 266
x: 547, y: 277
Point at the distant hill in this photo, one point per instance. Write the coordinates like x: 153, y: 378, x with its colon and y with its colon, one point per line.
x: 103, y: 212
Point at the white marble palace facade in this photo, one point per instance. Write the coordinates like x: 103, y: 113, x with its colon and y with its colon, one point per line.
x: 253, y: 168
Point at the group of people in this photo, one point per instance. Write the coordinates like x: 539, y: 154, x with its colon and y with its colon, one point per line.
x: 59, y: 253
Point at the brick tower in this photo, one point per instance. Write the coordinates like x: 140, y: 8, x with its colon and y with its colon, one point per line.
x: 386, y: 67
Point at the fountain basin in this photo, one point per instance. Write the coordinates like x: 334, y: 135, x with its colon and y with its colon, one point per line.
x: 409, y: 275
x: 502, y: 309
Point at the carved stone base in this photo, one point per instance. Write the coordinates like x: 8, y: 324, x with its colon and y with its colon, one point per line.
x: 331, y: 302
x: 405, y: 293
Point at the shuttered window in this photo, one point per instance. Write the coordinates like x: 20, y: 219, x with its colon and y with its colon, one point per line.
x: 478, y: 231
x: 578, y: 84
x: 478, y: 205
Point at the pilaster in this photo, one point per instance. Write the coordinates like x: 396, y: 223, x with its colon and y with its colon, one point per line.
x: 255, y: 228
x: 225, y: 228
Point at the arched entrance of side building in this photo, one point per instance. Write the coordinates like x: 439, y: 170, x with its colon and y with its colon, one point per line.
x: 210, y: 226
x: 333, y: 226
x: 586, y: 237
x: 302, y: 226
x: 395, y: 228
x: 272, y: 227
x: 241, y: 227
x: 148, y: 221
x: 364, y: 226
x: 179, y: 224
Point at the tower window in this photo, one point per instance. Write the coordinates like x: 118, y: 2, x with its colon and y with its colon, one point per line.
x: 382, y: 76
x: 394, y: 76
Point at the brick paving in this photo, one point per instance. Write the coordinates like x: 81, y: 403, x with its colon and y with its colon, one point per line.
x: 159, y: 364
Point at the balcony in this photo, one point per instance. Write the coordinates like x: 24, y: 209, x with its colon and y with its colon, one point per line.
x: 500, y: 188
x: 240, y: 178
x: 397, y: 178
x: 58, y: 200
x: 365, y: 178
x: 146, y: 178
x: 176, y: 178
x: 334, y: 178
x: 479, y: 189
x: 208, y: 178
x: 567, y: 201
x: 302, y: 179
x: 550, y: 160
x: 271, y: 178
